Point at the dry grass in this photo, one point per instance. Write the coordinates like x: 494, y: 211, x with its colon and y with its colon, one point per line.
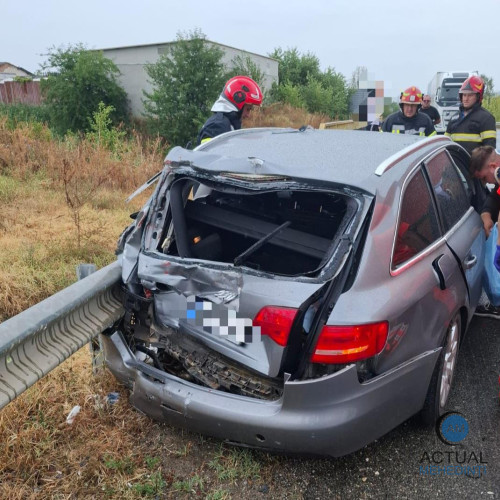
x: 62, y: 203
x: 42, y: 456
x: 38, y: 240
x: 30, y: 149
x: 284, y: 115
x: 110, y: 451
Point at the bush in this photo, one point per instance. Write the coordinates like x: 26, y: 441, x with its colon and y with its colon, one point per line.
x: 303, y: 84
x: 288, y: 94
x: 103, y: 134
x: 492, y: 104
x: 186, y: 81
x: 78, y: 81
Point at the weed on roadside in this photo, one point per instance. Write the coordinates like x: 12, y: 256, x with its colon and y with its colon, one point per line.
x: 192, y: 485
x: 218, y: 495
x: 125, y: 465
x: 232, y: 464
x: 152, y: 485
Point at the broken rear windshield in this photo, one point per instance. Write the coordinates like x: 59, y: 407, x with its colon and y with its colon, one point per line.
x: 286, y: 232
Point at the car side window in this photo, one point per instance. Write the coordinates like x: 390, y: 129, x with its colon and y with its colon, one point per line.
x: 449, y: 186
x: 462, y: 161
x: 418, y: 224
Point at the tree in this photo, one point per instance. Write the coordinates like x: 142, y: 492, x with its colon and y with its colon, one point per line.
x: 289, y: 94
x: 302, y: 83
x: 488, y: 87
x: 340, y: 95
x: 295, y: 68
x: 360, y: 74
x: 390, y: 107
x: 186, y: 81
x: 490, y: 101
x: 78, y: 80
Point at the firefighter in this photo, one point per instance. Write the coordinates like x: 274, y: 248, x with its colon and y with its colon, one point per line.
x: 473, y: 126
x: 409, y: 120
x: 239, y: 96
x: 485, y: 166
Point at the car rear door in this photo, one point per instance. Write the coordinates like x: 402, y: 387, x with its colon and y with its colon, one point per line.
x: 460, y: 223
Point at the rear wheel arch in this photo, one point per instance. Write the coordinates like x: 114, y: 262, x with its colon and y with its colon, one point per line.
x: 442, y: 377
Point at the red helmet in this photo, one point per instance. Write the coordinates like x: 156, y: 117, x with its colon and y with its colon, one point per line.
x: 412, y: 95
x: 473, y: 85
x: 241, y: 90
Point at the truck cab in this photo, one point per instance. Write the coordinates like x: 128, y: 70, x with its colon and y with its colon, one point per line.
x: 443, y: 89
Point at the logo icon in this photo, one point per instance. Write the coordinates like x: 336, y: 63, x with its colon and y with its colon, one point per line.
x: 452, y: 428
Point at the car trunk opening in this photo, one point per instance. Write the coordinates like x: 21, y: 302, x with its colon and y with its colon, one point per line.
x: 286, y: 232
x: 221, y: 261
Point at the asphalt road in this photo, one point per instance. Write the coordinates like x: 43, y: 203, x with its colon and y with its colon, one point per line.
x: 390, y: 467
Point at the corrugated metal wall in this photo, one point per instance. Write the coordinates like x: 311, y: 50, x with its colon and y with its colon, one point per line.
x: 12, y: 91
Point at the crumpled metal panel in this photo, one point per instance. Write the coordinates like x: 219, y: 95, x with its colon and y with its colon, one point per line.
x: 37, y: 340
x: 218, y: 285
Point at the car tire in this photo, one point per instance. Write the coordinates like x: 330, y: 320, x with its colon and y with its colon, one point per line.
x: 442, y: 377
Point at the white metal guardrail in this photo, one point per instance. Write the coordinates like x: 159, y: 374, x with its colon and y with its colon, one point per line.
x: 37, y: 340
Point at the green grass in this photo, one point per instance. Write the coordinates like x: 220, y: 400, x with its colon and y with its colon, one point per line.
x: 17, y: 113
x: 233, y: 464
x: 191, y: 485
x: 152, y: 486
x: 9, y: 189
x: 125, y: 465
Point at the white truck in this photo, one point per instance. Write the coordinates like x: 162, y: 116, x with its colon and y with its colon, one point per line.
x: 443, y: 89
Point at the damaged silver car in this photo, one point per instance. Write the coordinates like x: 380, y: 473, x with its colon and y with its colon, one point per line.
x: 299, y: 291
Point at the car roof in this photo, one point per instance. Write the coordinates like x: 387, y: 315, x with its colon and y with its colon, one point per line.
x: 348, y: 157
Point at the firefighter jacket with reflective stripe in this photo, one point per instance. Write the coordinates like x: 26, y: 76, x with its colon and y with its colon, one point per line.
x: 217, y: 124
x: 477, y: 128
x: 398, y: 123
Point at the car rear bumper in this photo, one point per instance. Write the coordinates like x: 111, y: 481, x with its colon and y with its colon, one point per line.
x: 333, y: 415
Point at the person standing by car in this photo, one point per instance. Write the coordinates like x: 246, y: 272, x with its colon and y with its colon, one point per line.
x: 485, y: 167
x: 473, y: 126
x: 429, y: 110
x: 409, y: 120
x: 235, y: 103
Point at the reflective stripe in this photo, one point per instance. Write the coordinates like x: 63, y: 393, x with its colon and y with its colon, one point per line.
x: 205, y: 140
x: 489, y: 134
x: 433, y: 133
x: 466, y: 137
x: 447, y: 134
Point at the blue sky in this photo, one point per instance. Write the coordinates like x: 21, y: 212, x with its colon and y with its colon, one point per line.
x: 402, y: 43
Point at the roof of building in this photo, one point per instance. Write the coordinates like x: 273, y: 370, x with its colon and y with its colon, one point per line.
x: 4, y: 65
x: 173, y: 41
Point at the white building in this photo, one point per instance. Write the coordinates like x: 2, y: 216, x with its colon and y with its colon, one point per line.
x: 131, y: 62
x: 9, y: 71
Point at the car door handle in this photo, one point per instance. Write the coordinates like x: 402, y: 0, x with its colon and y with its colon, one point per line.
x: 470, y: 261
x: 439, y: 272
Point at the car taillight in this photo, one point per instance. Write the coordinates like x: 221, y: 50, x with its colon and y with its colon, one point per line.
x: 275, y: 322
x: 345, y: 344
